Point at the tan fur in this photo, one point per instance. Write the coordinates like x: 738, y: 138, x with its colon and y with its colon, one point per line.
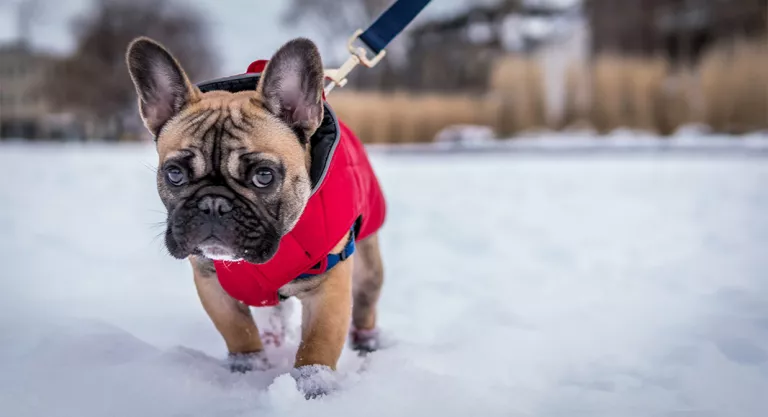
x: 266, y: 135
x: 326, y: 312
x: 262, y: 133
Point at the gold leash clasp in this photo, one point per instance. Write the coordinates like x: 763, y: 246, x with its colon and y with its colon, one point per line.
x: 359, y: 56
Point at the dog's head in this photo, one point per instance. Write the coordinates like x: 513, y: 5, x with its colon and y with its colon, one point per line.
x: 234, y: 167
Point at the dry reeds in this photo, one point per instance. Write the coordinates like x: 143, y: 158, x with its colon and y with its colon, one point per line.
x: 519, y: 85
x: 734, y: 87
x: 728, y: 91
x: 407, y: 118
x: 626, y: 92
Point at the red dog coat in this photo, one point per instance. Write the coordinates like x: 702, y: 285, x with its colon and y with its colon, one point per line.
x: 345, y: 190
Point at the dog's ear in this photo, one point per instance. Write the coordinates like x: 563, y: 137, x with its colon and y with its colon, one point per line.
x: 161, y: 84
x: 292, y: 86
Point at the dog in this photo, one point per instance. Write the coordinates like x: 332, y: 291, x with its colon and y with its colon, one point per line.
x: 269, y: 196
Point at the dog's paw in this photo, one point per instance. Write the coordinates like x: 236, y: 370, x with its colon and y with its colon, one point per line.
x: 315, y: 380
x: 247, y: 362
x: 365, y: 341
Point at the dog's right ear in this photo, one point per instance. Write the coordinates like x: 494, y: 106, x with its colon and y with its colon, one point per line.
x: 161, y: 84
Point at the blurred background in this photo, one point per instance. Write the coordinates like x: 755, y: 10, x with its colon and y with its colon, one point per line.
x: 629, y: 283
x: 505, y: 67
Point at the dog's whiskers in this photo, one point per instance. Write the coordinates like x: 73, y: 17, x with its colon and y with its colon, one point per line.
x: 151, y: 168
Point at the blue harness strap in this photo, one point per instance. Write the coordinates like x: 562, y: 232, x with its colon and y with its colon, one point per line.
x: 391, y: 23
x: 332, y: 259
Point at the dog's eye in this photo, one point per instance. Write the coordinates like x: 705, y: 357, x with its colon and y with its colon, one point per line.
x: 175, y: 176
x: 263, y: 177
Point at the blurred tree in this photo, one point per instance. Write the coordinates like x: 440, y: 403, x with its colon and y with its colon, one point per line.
x: 93, y: 81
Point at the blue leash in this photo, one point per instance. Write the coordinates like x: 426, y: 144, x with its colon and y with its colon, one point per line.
x: 375, y: 38
x: 391, y: 23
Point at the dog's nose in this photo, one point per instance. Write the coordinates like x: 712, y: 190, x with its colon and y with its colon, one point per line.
x: 214, y: 205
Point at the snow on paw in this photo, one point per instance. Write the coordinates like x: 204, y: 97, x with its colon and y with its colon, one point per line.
x: 315, y: 380
x: 247, y: 362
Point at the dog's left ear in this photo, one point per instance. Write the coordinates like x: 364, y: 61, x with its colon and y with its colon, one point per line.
x: 161, y: 84
x: 292, y: 86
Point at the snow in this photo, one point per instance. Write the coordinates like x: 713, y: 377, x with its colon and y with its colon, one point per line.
x: 516, y: 285
x: 688, y: 140
x: 466, y: 135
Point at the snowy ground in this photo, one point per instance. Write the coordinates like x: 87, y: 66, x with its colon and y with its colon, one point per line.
x: 516, y: 286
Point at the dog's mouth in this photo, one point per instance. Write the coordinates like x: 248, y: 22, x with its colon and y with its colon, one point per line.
x: 214, y: 249
x: 220, y: 237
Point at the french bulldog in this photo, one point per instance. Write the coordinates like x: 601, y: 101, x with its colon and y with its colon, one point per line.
x: 234, y: 175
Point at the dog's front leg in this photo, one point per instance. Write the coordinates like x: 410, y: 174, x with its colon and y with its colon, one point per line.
x: 231, y: 318
x: 326, y: 313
